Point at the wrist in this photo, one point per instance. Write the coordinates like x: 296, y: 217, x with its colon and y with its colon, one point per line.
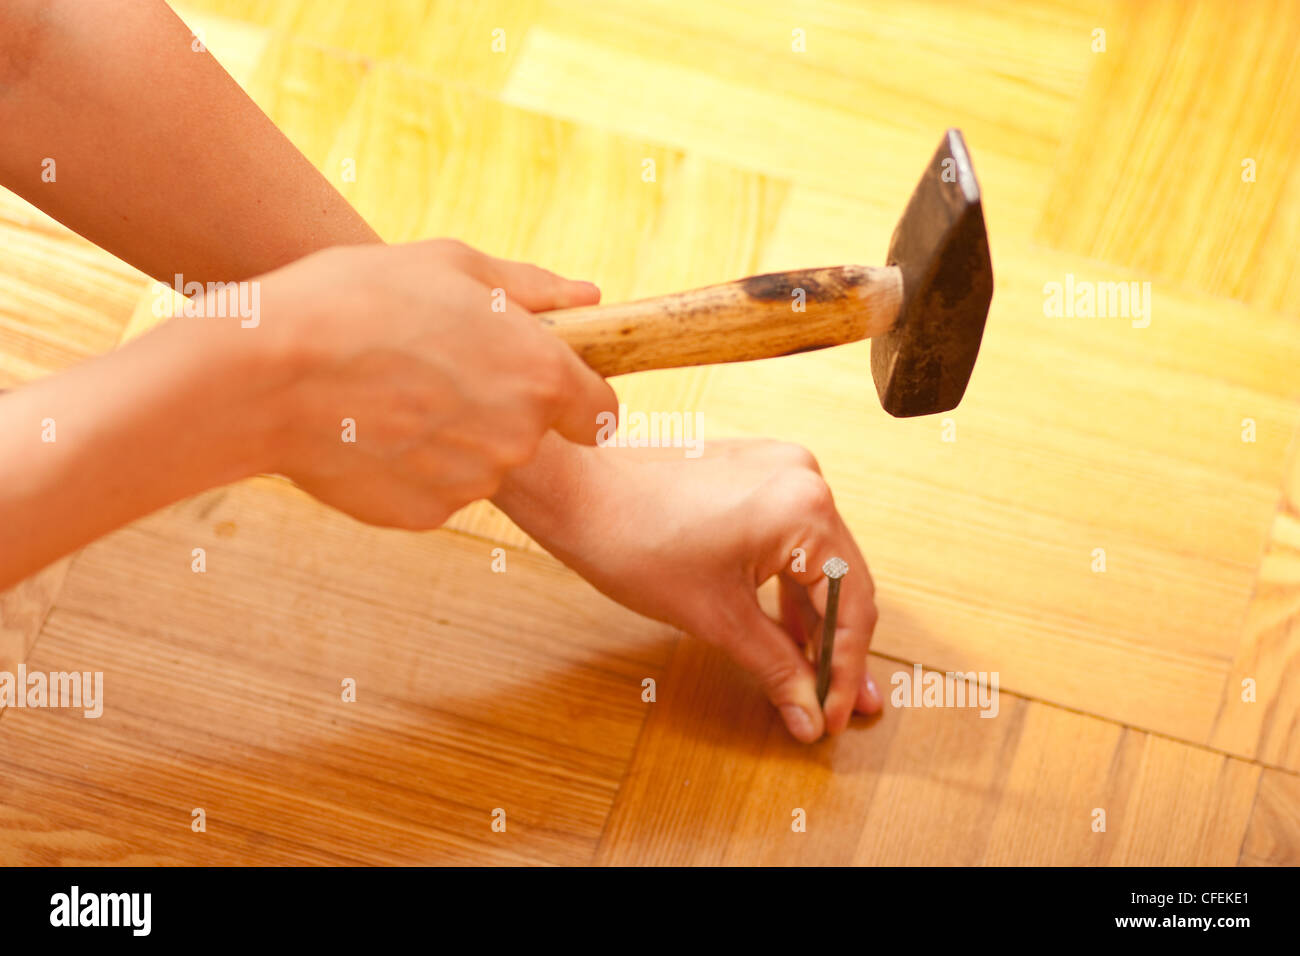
x: 228, y: 380
x: 550, y: 496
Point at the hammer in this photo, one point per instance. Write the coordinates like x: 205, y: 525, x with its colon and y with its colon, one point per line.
x: 924, y: 310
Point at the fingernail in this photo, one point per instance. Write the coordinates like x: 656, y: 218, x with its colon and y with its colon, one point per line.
x: 798, y: 722
x: 873, y: 692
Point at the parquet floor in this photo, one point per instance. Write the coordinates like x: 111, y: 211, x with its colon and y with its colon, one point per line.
x: 1121, y: 691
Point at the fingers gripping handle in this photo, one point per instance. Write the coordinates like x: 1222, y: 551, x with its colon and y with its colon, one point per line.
x: 763, y: 316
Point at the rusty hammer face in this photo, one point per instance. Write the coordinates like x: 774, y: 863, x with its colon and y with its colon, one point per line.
x: 924, y: 310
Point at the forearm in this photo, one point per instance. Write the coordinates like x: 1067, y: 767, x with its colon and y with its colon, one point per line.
x: 160, y: 158
x: 179, y: 410
x: 158, y: 155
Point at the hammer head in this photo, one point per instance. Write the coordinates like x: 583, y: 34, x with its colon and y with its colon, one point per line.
x: 922, y: 365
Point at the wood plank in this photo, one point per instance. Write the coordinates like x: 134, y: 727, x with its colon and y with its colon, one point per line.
x: 1153, y: 175
x: 475, y: 690
x: 1120, y: 691
x: 716, y: 780
x: 22, y: 613
x: 1259, y: 705
x: 447, y: 38
x: 874, y: 85
x: 1273, y: 838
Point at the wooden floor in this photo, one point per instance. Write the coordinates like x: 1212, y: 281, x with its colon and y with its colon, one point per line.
x: 1121, y: 691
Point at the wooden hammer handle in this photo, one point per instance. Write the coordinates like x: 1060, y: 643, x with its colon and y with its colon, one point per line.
x: 752, y: 318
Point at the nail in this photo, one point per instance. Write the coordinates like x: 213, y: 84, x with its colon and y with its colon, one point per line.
x: 834, y: 569
x: 798, y: 722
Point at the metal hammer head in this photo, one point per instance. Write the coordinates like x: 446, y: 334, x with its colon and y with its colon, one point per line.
x: 921, y: 366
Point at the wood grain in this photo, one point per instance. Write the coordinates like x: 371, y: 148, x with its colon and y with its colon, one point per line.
x: 1167, y: 173
x: 740, y: 321
x: 1169, y: 444
x: 1274, y: 835
x: 1259, y: 708
x: 22, y: 613
x: 223, y: 690
x: 716, y: 781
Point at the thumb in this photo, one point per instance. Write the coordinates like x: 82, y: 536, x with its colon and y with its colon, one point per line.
x: 788, y: 680
x: 587, y: 403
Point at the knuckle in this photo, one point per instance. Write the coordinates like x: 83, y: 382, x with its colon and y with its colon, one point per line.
x: 516, y: 449
x: 451, y: 248
x: 798, y: 456
x: 871, y: 616
x: 548, y: 378
x: 459, y: 256
x: 805, y: 492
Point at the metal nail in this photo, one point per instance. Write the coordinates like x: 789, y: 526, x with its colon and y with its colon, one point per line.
x: 834, y: 569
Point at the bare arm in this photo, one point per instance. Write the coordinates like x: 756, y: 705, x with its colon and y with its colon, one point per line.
x: 157, y: 154
x: 159, y: 157
x: 90, y: 449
